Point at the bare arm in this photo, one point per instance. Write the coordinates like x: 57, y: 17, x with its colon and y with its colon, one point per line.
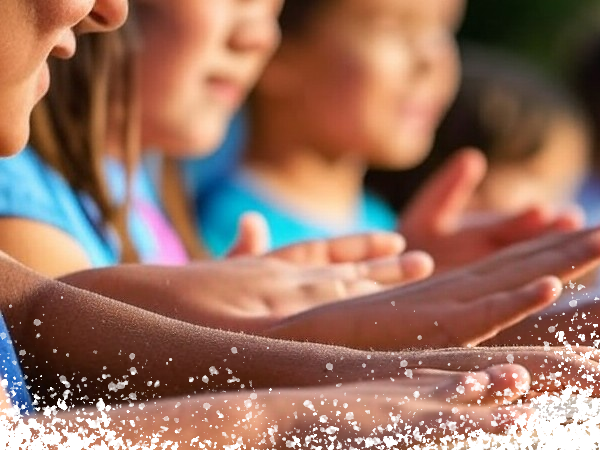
x: 261, y: 418
x: 63, y: 331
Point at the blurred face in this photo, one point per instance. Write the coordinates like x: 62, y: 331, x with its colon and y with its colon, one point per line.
x: 31, y: 31
x: 551, y: 178
x: 199, y: 60
x: 376, y: 76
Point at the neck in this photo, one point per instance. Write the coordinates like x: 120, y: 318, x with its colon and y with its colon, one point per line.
x: 303, y: 175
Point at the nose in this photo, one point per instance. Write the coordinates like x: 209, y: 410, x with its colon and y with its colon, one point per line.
x: 256, y: 33
x: 106, y: 15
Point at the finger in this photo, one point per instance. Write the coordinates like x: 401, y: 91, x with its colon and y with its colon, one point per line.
x: 564, y: 368
x: 400, y: 269
x: 533, y: 223
x: 356, y: 248
x: 525, y: 225
x: 494, y: 313
x: 566, y: 255
x: 437, y: 420
x: 443, y: 199
x: 506, y: 383
x: 552, y: 369
x: 253, y: 236
x: 407, y: 268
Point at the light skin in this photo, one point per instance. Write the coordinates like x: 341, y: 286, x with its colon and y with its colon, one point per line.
x: 289, y: 415
x: 367, y: 85
x: 550, y: 177
x: 24, y: 292
x: 270, y: 292
x: 78, y: 332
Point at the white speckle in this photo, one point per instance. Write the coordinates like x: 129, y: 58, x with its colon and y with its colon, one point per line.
x: 551, y: 329
x: 510, y: 358
x: 417, y: 394
x: 393, y: 303
x: 133, y: 371
x: 349, y: 416
x: 191, y: 380
x: 573, y: 303
x: 206, y: 406
x: 580, y: 287
x: 408, y: 373
x: 419, y: 337
x: 329, y: 366
x: 403, y: 363
x: 205, y: 379
x: 37, y: 322
x: 234, y: 350
x: 132, y: 356
x: 460, y: 389
x: 213, y: 371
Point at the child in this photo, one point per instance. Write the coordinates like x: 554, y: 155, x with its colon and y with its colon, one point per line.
x: 355, y: 83
x: 132, y: 341
x: 533, y: 133
x: 267, y: 291
x: 20, y: 87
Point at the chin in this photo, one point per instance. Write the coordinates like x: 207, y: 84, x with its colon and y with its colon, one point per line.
x: 12, y: 143
x: 403, y: 157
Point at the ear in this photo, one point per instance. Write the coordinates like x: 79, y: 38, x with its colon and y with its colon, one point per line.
x: 283, y: 75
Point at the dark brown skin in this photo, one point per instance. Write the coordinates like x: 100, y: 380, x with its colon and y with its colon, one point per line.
x: 99, y: 334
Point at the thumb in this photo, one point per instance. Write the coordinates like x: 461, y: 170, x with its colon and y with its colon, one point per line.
x: 440, y: 203
x: 253, y: 236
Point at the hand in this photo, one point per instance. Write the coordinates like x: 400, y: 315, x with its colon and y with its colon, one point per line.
x: 268, y: 288
x: 552, y: 369
x: 447, y: 404
x: 459, y: 308
x: 436, y: 221
x: 438, y: 403
x: 253, y: 240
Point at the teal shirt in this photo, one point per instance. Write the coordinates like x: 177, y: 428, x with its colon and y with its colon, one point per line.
x: 31, y: 189
x: 221, y: 207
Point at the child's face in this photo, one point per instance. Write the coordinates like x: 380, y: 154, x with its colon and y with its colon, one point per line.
x: 550, y: 178
x: 376, y: 76
x: 31, y: 31
x: 199, y: 60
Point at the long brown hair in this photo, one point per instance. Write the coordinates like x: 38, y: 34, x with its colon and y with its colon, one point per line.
x: 93, y: 93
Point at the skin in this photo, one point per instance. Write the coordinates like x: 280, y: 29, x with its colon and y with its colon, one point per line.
x: 33, y: 33
x: 287, y: 415
x: 550, y: 177
x: 22, y: 287
x: 270, y: 292
x: 124, y: 337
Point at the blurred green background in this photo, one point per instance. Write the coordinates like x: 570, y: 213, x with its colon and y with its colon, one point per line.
x: 539, y: 30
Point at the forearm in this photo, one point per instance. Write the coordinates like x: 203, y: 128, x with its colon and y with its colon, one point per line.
x: 82, y: 335
x: 163, y: 291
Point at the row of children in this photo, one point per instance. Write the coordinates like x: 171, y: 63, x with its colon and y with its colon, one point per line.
x: 77, y: 202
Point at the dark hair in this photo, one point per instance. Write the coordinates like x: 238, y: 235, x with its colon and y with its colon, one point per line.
x: 296, y: 15
x: 504, y: 107
x: 585, y: 78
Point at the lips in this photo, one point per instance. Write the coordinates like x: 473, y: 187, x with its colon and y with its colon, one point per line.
x: 227, y: 90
